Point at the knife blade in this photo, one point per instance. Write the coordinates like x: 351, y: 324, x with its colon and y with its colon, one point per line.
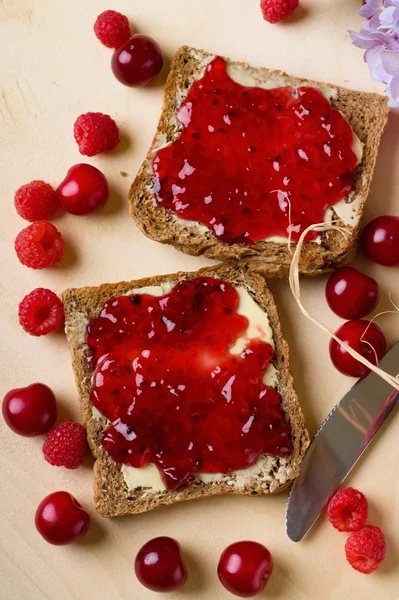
x: 339, y: 443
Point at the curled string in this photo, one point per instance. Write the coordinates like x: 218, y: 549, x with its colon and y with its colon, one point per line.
x: 296, y: 291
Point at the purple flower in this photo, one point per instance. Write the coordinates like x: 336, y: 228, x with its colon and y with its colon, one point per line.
x: 379, y: 37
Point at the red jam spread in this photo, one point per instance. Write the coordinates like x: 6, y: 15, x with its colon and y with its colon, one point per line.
x: 175, y: 395
x: 252, y: 163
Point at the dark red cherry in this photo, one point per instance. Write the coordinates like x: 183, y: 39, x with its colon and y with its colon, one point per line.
x: 380, y: 240
x: 84, y: 190
x: 159, y: 565
x: 138, y: 61
x: 244, y: 568
x: 60, y: 519
x: 30, y: 410
x: 364, y: 337
x: 351, y: 294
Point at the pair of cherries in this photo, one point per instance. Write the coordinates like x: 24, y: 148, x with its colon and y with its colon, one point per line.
x: 244, y: 567
x: 353, y: 295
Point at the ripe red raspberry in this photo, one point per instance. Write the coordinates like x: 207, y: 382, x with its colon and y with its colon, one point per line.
x: 277, y: 10
x: 41, y: 312
x: 95, y: 133
x: 112, y: 29
x: 348, y: 510
x: 66, y: 445
x: 36, y: 201
x: 39, y: 245
x: 365, y: 549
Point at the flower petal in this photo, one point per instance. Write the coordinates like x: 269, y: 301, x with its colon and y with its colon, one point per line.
x: 373, y: 59
x: 374, y: 23
x: 393, y: 103
x: 370, y: 39
x: 360, y: 40
x: 394, y: 88
x: 386, y: 17
x: 370, y: 8
x: 390, y: 61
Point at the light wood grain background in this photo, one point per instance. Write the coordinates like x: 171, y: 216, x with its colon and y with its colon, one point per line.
x: 51, y: 70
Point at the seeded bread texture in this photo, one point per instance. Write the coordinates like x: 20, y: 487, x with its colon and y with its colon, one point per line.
x: 367, y: 114
x: 111, y: 495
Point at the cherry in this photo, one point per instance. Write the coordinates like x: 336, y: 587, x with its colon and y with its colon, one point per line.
x: 159, y: 565
x: 244, y: 568
x: 380, y: 240
x: 84, y: 190
x: 351, y: 294
x: 60, y: 519
x: 30, y: 410
x: 363, y: 340
x: 138, y: 61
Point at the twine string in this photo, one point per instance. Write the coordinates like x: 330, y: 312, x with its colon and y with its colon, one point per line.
x: 296, y: 291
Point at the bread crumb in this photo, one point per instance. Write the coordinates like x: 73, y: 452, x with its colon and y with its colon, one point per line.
x: 124, y: 174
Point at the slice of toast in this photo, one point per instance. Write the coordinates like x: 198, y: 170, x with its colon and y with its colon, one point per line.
x: 366, y: 113
x: 270, y: 474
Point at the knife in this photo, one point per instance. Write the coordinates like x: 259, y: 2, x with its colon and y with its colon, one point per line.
x: 338, y: 445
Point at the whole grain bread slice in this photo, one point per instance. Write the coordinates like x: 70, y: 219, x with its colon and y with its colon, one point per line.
x: 111, y: 494
x: 367, y: 114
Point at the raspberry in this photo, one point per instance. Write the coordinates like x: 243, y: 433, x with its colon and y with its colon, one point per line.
x: 41, y: 312
x: 66, y: 445
x: 36, y: 201
x: 112, y: 29
x: 95, y: 133
x: 365, y: 549
x: 348, y: 510
x: 277, y: 10
x: 39, y: 245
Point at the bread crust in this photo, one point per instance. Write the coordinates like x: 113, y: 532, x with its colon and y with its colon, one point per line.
x: 367, y: 114
x: 111, y: 495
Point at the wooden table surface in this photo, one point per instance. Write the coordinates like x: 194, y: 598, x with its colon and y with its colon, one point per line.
x: 51, y: 70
